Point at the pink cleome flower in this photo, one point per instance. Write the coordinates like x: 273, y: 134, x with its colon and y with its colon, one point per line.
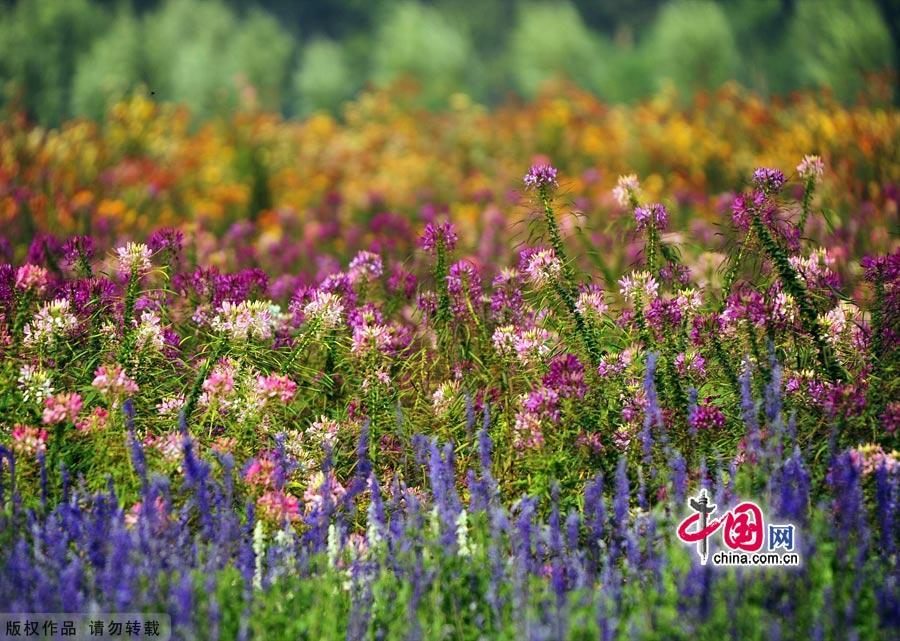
x: 112, y: 380
x: 321, y: 486
x: 29, y: 440
x: 96, y: 420
x: 61, y: 408
x: 278, y: 506
x: 158, y: 514
x: 260, y: 472
x: 32, y: 278
x: 276, y: 386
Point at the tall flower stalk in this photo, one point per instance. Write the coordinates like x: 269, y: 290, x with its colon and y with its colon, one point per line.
x: 811, y: 170
x: 543, y: 178
x: 755, y: 213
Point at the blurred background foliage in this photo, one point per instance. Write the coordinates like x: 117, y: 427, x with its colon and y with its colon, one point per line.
x: 60, y: 58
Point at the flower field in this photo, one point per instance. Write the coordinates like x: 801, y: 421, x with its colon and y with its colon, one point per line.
x: 457, y: 375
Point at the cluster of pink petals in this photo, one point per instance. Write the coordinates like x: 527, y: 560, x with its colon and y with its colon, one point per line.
x: 159, y: 512
x: 276, y: 386
x: 870, y: 458
x: 169, y: 445
x: 260, y: 472
x: 320, y: 487
x: 112, y: 380
x: 219, y: 383
x: 278, y: 506
x: 96, y: 420
x: 527, y: 431
x: 31, y: 278
x: 29, y: 440
x: 61, y: 408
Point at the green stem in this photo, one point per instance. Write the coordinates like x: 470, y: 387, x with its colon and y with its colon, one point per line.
x: 191, y: 402
x: 556, y: 241
x: 440, y: 277
x: 792, y: 284
x: 876, y: 355
x: 566, y: 289
x: 731, y: 274
x: 807, y: 201
x: 724, y: 361
x: 652, y: 244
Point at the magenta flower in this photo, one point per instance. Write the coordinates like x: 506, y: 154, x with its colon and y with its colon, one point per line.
x: 707, y: 416
x: 464, y: 287
x: 566, y: 376
x: 591, y: 441
x: 543, y: 267
x: 890, y: 418
x: 541, y: 176
x: 365, y: 266
x: 769, y: 180
x: 656, y: 215
x: 440, y: 234
x: 78, y: 248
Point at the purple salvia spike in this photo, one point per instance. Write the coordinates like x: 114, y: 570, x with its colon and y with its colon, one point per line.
x: 692, y: 409
x: 470, y: 412
x: 887, y: 495
x: 749, y: 412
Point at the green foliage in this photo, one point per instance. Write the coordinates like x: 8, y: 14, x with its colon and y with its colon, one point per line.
x: 550, y: 40
x: 623, y: 73
x: 260, y: 54
x: 836, y: 41
x: 198, y: 52
x: 65, y: 57
x: 39, y: 42
x: 111, y: 68
x: 184, y: 44
x: 419, y: 41
x: 693, y: 46
x: 324, y: 78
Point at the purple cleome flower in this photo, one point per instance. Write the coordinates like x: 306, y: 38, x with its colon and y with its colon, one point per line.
x: 769, y: 180
x: 655, y: 214
x: 440, y: 233
x: 541, y: 176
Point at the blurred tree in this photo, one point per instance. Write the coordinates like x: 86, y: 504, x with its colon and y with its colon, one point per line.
x: 419, y: 41
x: 624, y: 72
x: 611, y: 16
x: 323, y: 79
x: 837, y: 42
x: 260, y: 56
x: 692, y: 45
x: 199, y: 53
x: 890, y: 13
x: 488, y: 29
x: 57, y: 57
x: 760, y: 28
x: 39, y: 44
x: 551, y: 39
x: 110, y: 69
